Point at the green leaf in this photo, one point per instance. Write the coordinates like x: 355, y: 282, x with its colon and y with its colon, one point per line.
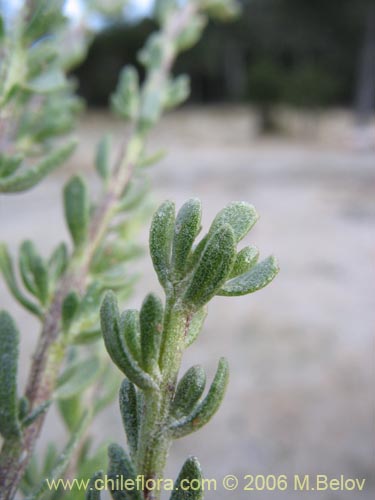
x: 223, y: 10
x: 187, y: 226
x: 151, y: 107
x: 161, y: 234
x: 134, y: 195
x: 163, y: 9
x: 58, y: 262
x: 33, y: 175
x: 129, y: 414
x: 191, y: 34
x: 126, y: 100
x: 77, y: 209
x: 147, y: 161
x: 107, y: 388
x: 69, y: 309
x: 9, y: 340
x: 71, y: 411
x: 93, y: 492
x: 35, y: 414
x: 113, y: 253
x: 77, y: 377
x: 121, y: 466
x: 213, y: 267
x: 34, y: 272
x: 45, y: 17
x: 151, y: 323
x: 195, y: 326
x: 87, y: 336
x: 52, y: 80
x: 9, y: 164
x: 191, y: 474
x: 102, y: 160
x: 116, y: 347
x: 6, y: 268
x: 25, y: 261
x: 205, y: 410
x: 257, y: 278
x: 245, y: 260
x: 178, y: 91
x: 241, y: 216
x: 131, y: 330
x: 189, y: 390
x: 151, y: 55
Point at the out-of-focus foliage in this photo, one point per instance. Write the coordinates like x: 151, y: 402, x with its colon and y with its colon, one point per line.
x: 273, y: 49
x: 37, y: 101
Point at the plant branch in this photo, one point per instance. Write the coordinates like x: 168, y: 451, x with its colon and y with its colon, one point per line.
x: 49, y: 354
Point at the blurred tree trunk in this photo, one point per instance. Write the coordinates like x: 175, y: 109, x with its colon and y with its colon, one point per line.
x: 234, y: 70
x: 365, y: 98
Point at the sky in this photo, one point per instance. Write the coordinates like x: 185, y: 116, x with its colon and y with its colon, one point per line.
x: 138, y: 7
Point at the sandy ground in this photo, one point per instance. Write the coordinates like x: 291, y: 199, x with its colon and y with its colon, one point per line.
x: 300, y: 400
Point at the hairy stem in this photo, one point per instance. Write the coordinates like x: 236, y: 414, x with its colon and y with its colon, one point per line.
x: 154, y: 441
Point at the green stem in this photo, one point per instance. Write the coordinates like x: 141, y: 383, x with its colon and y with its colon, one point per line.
x: 154, y: 440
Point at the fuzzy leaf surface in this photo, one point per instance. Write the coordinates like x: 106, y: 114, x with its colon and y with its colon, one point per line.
x: 9, y: 340
x: 258, y: 277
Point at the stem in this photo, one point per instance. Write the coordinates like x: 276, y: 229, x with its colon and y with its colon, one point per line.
x: 15, y: 455
x: 154, y: 441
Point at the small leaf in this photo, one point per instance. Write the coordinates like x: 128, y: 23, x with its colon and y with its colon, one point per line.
x: 69, y: 309
x: 151, y: 55
x: 192, y: 33
x: 115, y: 345
x: 121, y: 466
x: 258, y: 277
x: 77, y: 377
x: 95, y: 487
x: 177, y: 92
x: 129, y: 414
x: 195, y: 326
x: 9, y: 340
x: 77, y: 209
x: 161, y: 234
x: 213, y: 267
x: 126, y: 99
x: 87, y: 336
x: 189, y: 389
x: 241, y: 216
x: 205, y: 410
x: 71, y: 411
x: 151, y: 323
x: 133, y: 196
x: 147, y: 161
x: 187, y: 226
x: 190, y: 475
x: 102, y: 160
x: 163, y: 9
x: 245, y: 260
x: 21, y: 181
x: 151, y: 107
x: 7, y: 269
x: 51, y: 80
x: 23, y: 408
x: 35, y: 414
x: 58, y: 262
x: 130, y: 328
x: 223, y: 10
x: 9, y: 164
x: 34, y: 272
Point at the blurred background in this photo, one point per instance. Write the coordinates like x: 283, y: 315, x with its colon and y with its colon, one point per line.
x: 282, y: 114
